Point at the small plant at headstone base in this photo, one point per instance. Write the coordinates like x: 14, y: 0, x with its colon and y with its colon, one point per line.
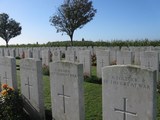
x: 93, y: 58
x: 11, y: 104
x: 45, y: 69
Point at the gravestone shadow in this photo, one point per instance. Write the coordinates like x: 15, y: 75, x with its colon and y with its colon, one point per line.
x: 93, y: 79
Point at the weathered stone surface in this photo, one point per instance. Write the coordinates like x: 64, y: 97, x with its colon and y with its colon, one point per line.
x: 32, y: 87
x: 129, y: 93
x: 8, y: 71
x: 85, y: 59
x: 67, y: 91
x: 103, y: 59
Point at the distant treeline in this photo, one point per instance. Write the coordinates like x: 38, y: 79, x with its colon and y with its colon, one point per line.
x: 120, y: 43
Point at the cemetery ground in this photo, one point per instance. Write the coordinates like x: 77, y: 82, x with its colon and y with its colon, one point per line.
x: 93, y: 96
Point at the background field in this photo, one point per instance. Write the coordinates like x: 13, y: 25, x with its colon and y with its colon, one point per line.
x: 100, y: 43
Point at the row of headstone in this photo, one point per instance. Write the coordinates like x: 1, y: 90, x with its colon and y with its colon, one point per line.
x: 93, y: 49
x: 115, y: 57
x: 129, y: 92
x: 31, y: 83
x: 148, y: 59
x: 66, y: 87
x: 115, y: 52
x: 18, y: 52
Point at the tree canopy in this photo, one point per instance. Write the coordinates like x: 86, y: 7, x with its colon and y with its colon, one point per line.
x: 9, y: 28
x: 72, y: 14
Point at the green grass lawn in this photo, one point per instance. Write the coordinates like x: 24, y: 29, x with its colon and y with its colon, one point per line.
x: 93, y: 99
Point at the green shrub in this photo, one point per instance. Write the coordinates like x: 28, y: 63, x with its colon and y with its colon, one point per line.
x: 11, y: 104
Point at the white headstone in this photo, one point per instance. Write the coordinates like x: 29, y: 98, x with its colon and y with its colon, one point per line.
x: 17, y: 52
x: 70, y: 56
x: 85, y: 59
x: 129, y: 93
x: 113, y: 57
x: 137, y: 58
x: 12, y: 52
x: 67, y: 91
x: 8, y: 71
x: 32, y: 87
x: 56, y: 55
x: 21, y: 53
x: 1, y: 52
x: 45, y: 57
x: 6, y: 52
x: 103, y: 57
x: 28, y: 53
x: 124, y: 57
x: 36, y: 53
x: 150, y: 60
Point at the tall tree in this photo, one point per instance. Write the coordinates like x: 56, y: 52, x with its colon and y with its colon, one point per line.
x: 9, y: 28
x: 72, y: 14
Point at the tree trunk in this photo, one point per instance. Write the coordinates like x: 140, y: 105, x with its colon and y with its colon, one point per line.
x: 6, y: 43
x: 71, y: 37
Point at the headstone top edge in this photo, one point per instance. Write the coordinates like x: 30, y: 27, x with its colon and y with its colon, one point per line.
x: 129, y: 66
x: 66, y: 62
x: 33, y: 59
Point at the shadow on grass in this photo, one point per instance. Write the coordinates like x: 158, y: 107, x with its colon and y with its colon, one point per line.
x: 93, y: 79
x: 17, y: 67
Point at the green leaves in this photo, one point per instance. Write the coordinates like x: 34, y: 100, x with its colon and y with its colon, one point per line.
x: 9, y: 28
x: 11, y: 104
x: 72, y: 14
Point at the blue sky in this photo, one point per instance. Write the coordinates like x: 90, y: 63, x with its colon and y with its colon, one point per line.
x: 115, y: 19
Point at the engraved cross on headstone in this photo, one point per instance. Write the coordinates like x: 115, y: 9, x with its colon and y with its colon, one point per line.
x: 102, y: 62
x: 29, y: 87
x: 64, y: 97
x: 5, y: 78
x: 124, y: 111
